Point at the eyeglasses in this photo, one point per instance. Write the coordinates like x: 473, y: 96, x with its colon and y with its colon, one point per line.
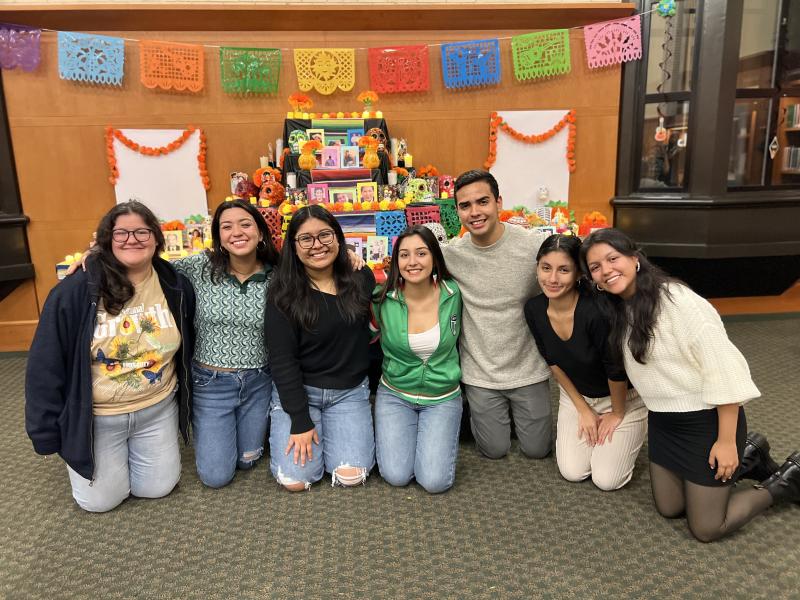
x: 325, y: 237
x: 123, y: 235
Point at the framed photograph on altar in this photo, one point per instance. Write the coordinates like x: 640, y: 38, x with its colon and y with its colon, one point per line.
x: 317, y: 193
x: 367, y: 192
x: 316, y: 134
x: 353, y: 135
x: 349, y: 157
x: 377, y: 248
x: 173, y: 243
x: 355, y: 243
x: 195, y: 236
x: 336, y: 138
x: 236, y: 178
x: 342, y: 194
x: 330, y: 157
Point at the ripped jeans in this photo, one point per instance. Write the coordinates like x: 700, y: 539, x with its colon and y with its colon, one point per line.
x: 229, y: 421
x: 343, y: 419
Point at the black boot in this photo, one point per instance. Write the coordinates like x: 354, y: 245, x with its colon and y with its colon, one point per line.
x: 756, y: 462
x: 784, y: 485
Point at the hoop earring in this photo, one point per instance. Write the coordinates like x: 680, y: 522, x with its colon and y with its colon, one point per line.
x: 262, y: 244
x: 638, y: 266
x: 434, y: 278
x: 599, y: 289
x: 400, y: 281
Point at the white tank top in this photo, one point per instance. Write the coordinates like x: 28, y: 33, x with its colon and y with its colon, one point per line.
x: 424, y: 344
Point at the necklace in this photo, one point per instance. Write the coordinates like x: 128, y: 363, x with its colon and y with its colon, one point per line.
x: 255, y: 270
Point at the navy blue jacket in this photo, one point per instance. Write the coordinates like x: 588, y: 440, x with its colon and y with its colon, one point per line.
x: 58, y: 379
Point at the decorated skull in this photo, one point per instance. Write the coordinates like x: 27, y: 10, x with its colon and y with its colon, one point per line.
x: 438, y: 230
x: 296, y: 139
x: 418, y: 188
x: 446, y: 185
x: 273, y: 192
x: 377, y: 133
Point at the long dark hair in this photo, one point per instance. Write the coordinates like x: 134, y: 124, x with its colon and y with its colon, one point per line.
x: 115, y: 287
x: 571, y: 246
x: 439, y: 272
x: 638, y: 314
x: 291, y: 289
x: 218, y: 260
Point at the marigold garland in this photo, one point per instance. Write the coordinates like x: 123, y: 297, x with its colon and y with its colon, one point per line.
x: 567, y: 120
x: 112, y: 134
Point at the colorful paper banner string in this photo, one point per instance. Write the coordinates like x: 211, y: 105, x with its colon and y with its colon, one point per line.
x: 92, y: 58
x: 612, y: 42
x: 470, y: 64
x: 325, y: 69
x: 250, y: 70
x: 541, y: 54
x: 171, y: 66
x: 19, y: 47
x: 399, y: 69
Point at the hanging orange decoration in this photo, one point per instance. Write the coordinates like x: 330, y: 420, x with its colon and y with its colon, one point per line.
x: 112, y: 134
x: 496, y: 122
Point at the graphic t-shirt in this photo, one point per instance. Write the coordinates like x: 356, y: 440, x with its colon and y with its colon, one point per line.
x: 133, y: 352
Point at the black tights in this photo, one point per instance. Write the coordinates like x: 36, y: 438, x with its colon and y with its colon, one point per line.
x: 711, y: 512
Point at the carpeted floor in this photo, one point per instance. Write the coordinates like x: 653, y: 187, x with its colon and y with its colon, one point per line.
x: 508, y: 529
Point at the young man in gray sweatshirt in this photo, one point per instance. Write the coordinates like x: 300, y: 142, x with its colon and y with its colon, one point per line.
x: 503, y: 373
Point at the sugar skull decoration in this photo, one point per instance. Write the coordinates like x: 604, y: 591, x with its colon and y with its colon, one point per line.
x: 377, y: 134
x: 446, y: 185
x: 296, y: 139
x: 418, y: 190
x: 271, y: 193
x: 438, y: 230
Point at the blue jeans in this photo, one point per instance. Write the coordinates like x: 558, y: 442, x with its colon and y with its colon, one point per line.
x: 419, y: 441
x: 229, y: 420
x: 134, y: 453
x: 343, y: 420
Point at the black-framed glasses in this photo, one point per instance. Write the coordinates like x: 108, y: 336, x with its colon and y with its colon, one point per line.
x: 325, y: 237
x: 123, y: 235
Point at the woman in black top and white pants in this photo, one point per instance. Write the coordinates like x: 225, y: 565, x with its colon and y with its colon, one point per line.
x: 601, y: 421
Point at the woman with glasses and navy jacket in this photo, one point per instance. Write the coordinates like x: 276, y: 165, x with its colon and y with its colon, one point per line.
x: 107, y: 384
x: 317, y: 318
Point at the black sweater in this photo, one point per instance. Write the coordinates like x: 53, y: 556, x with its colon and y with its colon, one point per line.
x: 585, y: 357
x: 334, y: 355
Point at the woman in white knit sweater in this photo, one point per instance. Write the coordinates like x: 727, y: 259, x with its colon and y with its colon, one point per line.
x: 694, y: 381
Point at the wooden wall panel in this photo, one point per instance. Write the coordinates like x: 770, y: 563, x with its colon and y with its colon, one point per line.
x: 57, y: 126
x: 18, y: 318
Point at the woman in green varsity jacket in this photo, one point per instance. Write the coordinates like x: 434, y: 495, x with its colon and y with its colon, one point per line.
x: 418, y: 404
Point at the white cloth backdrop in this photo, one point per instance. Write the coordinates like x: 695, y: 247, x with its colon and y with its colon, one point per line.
x: 170, y: 185
x: 521, y: 169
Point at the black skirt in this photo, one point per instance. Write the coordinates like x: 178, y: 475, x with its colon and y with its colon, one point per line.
x: 682, y: 441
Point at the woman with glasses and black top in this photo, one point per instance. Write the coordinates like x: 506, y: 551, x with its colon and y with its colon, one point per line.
x: 318, y: 323
x: 107, y: 383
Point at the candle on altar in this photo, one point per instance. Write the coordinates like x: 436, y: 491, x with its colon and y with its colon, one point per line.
x: 408, y: 160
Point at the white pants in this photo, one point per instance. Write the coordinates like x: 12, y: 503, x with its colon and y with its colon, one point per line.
x: 610, y: 465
